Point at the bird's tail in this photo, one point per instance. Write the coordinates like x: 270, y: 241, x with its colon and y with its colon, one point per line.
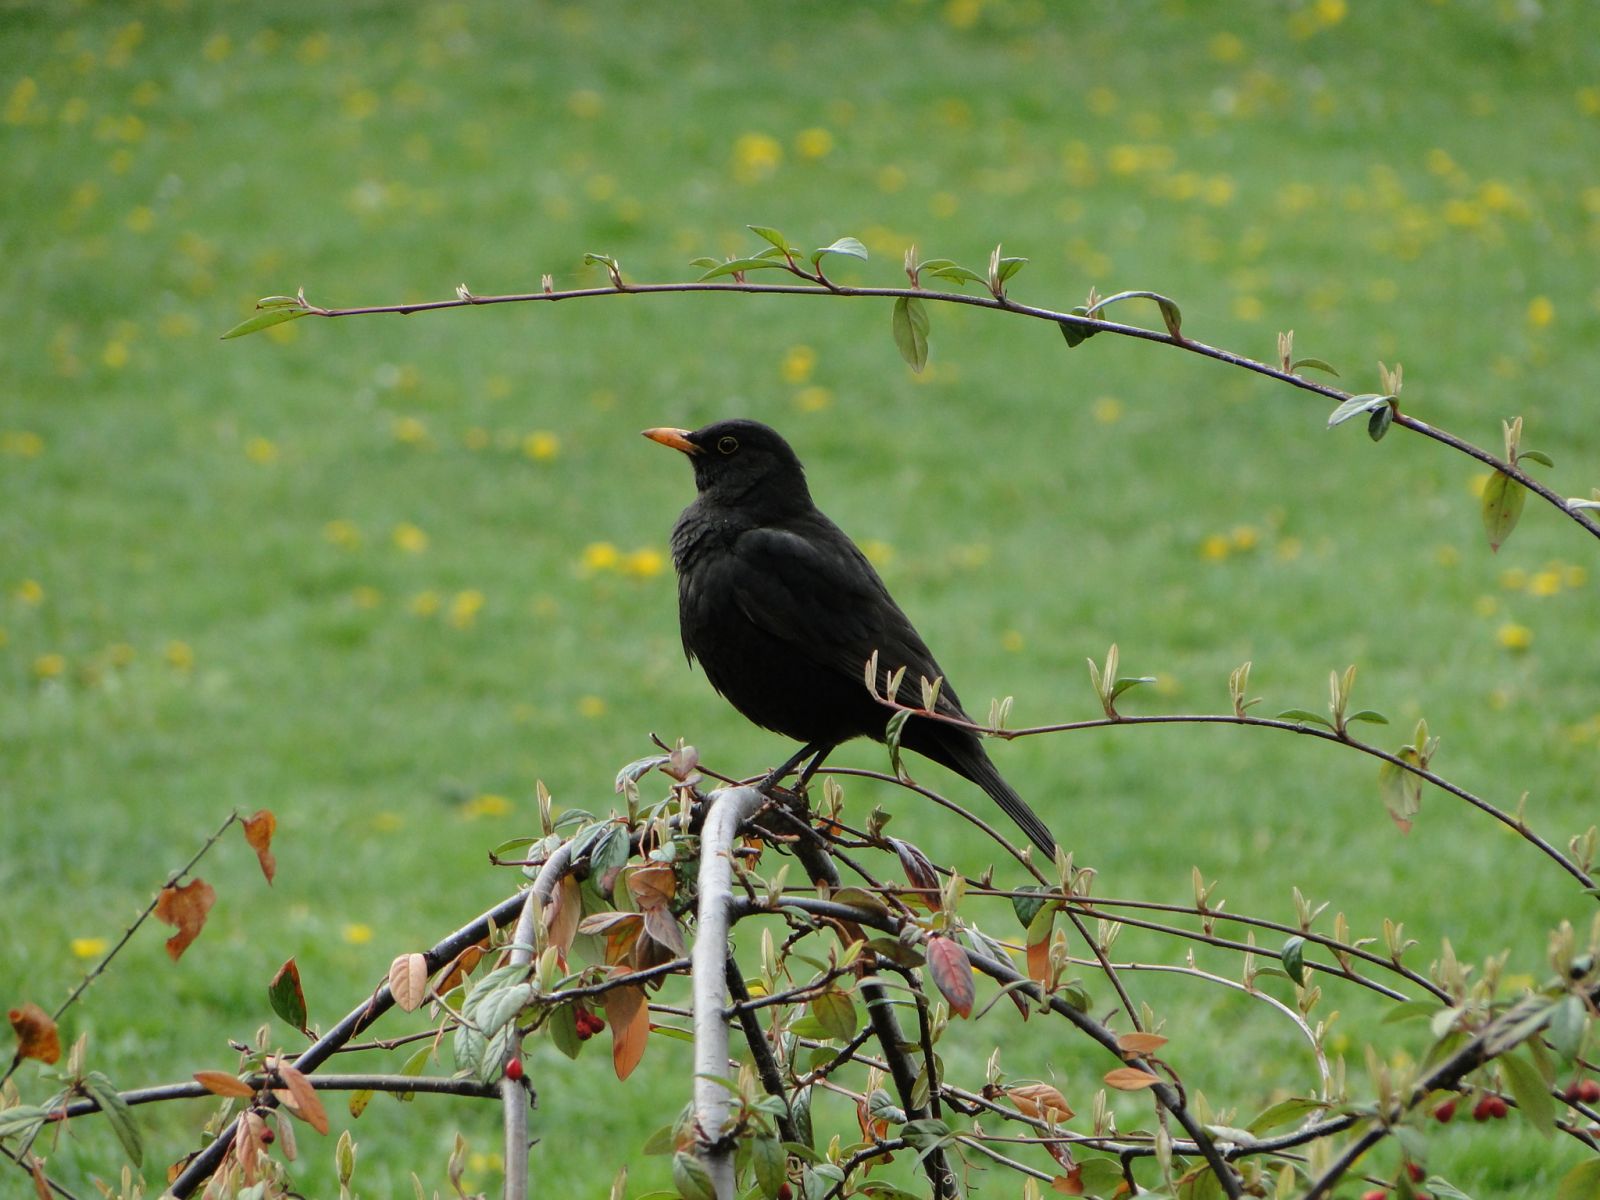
x: 966, y: 756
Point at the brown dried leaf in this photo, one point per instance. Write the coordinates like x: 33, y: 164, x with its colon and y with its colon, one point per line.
x: 41, y: 1185
x: 629, y: 1018
x: 652, y: 886
x: 37, y: 1036
x: 919, y: 870
x: 408, y: 981
x: 258, y: 831
x: 450, y: 978
x: 185, y: 909
x: 952, y: 974
x: 562, y: 915
x: 220, y: 1083
x: 1134, y: 1044
x: 1070, y: 1184
x: 1130, y: 1079
x: 661, y: 925
x: 1039, y: 958
x: 307, y: 1105
x: 1040, y: 1101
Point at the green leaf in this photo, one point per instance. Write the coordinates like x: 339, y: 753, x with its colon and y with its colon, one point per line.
x: 891, y: 739
x: 703, y: 262
x: 1010, y: 266
x: 118, y: 1114
x: 959, y: 274
x: 1532, y: 1096
x: 1538, y: 456
x: 836, y: 1013
x: 1401, y: 790
x: 1304, y: 717
x: 777, y: 239
x: 911, y: 331
x: 691, y: 1178
x: 845, y: 245
x: 286, y: 997
x: 1370, y: 716
x: 1315, y: 364
x: 1356, y: 405
x: 770, y: 1165
x: 1128, y: 681
x: 934, y: 265
x: 24, y: 1119
x: 1284, y: 1112
x: 1566, y: 1026
x: 738, y: 264
x: 1378, y: 423
x: 1503, y: 498
x: 1027, y: 903
x: 563, y: 1026
x: 1410, y: 1010
x: 1293, y: 958
x: 1076, y: 335
x: 265, y: 320
x: 1580, y: 1183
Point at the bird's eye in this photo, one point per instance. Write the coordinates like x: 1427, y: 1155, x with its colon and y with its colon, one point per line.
x: 727, y: 444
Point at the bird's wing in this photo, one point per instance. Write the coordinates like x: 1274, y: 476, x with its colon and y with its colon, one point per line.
x: 814, y: 589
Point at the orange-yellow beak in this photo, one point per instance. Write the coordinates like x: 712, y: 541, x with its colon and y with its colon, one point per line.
x: 678, y: 439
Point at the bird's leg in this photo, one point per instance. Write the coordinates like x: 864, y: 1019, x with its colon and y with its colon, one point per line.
x: 811, y: 768
x: 794, y: 760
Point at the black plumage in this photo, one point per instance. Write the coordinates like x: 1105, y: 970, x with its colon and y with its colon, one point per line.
x: 783, y: 611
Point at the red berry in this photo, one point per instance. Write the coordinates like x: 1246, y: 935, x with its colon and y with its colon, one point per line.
x: 785, y: 1192
x: 1483, y: 1110
x: 268, y: 1137
x: 597, y: 1024
x: 1589, y: 1090
x: 1416, y: 1172
x: 1445, y: 1112
x: 1498, y: 1108
x: 514, y: 1070
x: 1374, y: 1194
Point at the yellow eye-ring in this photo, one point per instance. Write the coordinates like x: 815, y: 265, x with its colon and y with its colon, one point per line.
x: 727, y: 444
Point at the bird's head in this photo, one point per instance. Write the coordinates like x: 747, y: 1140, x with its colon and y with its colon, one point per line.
x: 741, y: 462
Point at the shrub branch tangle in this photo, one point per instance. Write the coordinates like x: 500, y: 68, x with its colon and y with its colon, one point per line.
x: 602, y: 931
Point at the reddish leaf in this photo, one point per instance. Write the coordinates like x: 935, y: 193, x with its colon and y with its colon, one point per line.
x: 663, y: 927
x: 1134, y: 1044
x: 258, y: 831
x: 307, y: 1105
x: 919, y: 870
x: 562, y: 914
x: 220, y: 1083
x: 408, y: 981
x: 37, y: 1036
x: 951, y: 973
x: 629, y: 1017
x: 450, y: 978
x: 652, y: 886
x: 287, y: 998
x: 1070, y: 1184
x: 1130, y: 1079
x: 1040, y: 1101
x: 185, y: 909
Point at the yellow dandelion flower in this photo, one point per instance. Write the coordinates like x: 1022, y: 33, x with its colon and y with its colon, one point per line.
x: 1589, y: 101
x: 217, y: 48
x: 1446, y: 555
x: 424, y: 604
x: 1244, y: 537
x: 179, y: 655
x: 314, y: 48
x: 1215, y: 547
x: 409, y: 430
x: 115, y: 355
x: 1226, y: 48
x: 5, y: 639
x: 756, y: 156
x: 1463, y: 214
x: 892, y: 178
x: 410, y: 538
x: 813, y: 399
x: 541, y: 445
x: 476, y: 438
x: 120, y: 654
x: 797, y: 364
x: 643, y: 564
x: 357, y: 933
x: 1012, y: 641
x: 465, y: 607
x: 359, y: 104
x: 1541, y: 312
x: 1330, y: 12
x: 89, y: 947
x: 1288, y: 549
x: 962, y: 14
x: 1545, y: 583
x: 601, y: 556
x: 49, y: 666
x: 20, y: 443
x: 813, y: 143
x: 1513, y: 579
x: 366, y: 596
x: 261, y: 450
x: 1102, y: 101
x: 141, y: 220
x: 600, y: 187
x: 30, y: 592
x: 1107, y: 410
x: 585, y: 104
x: 591, y: 707
x: 879, y: 553
x: 944, y: 205
x: 343, y: 533
x: 1513, y: 636
x: 19, y: 104
x: 486, y: 805
x: 1574, y: 576
x: 1486, y: 606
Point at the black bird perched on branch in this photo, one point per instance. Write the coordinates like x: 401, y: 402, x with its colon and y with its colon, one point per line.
x: 784, y: 611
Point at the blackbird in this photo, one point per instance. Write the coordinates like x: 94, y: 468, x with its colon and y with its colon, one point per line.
x: 784, y: 611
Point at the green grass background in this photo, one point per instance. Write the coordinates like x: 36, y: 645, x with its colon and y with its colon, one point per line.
x: 206, y: 602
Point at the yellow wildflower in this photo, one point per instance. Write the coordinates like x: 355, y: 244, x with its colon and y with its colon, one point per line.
x: 591, y: 706
x: 424, y: 604
x: 643, y: 564
x: 30, y: 591
x: 486, y: 805
x: 464, y: 608
x: 179, y: 655
x: 541, y: 445
x: 261, y: 450
x: 410, y: 538
x: 342, y: 533
x: 88, y: 947
x: 49, y: 666
x: 357, y: 933
x: 756, y: 156
x: 797, y: 364
x: 1541, y: 312
x: 813, y: 143
x: 600, y: 556
x: 1215, y: 547
x: 1107, y: 410
x: 1513, y: 636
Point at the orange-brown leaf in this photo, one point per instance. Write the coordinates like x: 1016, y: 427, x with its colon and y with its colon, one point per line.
x: 1130, y: 1079
x: 258, y: 831
x: 629, y: 1018
x: 185, y: 909
x: 562, y: 914
x: 1039, y: 958
x: 652, y: 886
x: 1070, y: 1184
x: 41, y: 1185
x: 408, y: 981
x: 37, y: 1036
x: 450, y: 978
x: 307, y: 1104
x: 1134, y: 1044
x: 952, y: 973
x: 1040, y: 1101
x: 220, y: 1083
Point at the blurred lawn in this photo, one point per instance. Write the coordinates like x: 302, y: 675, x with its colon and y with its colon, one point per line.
x: 380, y: 575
